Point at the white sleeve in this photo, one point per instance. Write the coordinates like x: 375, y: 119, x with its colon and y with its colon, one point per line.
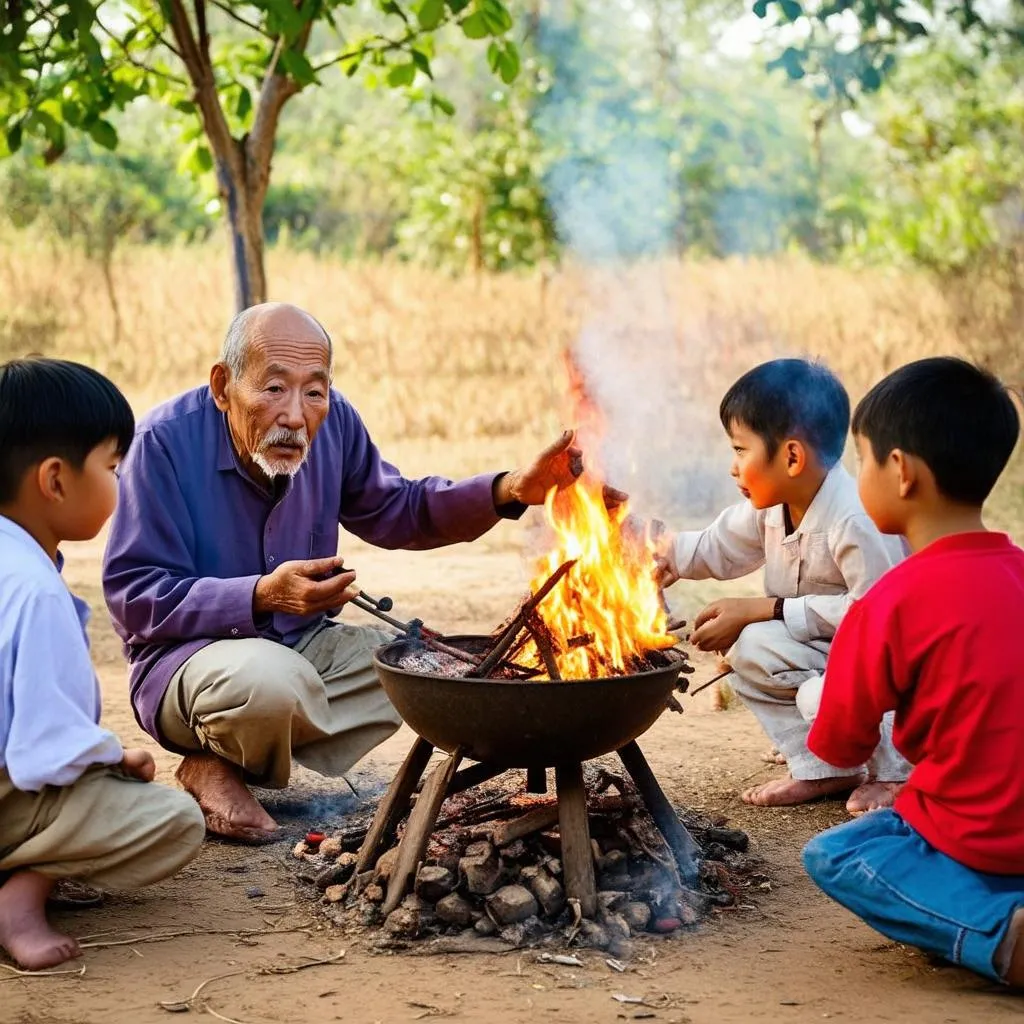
x: 54, y: 733
x: 863, y: 555
x: 731, y: 547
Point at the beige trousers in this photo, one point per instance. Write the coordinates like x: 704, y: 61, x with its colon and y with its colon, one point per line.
x: 113, y: 830
x: 780, y: 680
x: 257, y: 703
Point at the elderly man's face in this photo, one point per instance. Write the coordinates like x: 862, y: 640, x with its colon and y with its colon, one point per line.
x: 276, y: 406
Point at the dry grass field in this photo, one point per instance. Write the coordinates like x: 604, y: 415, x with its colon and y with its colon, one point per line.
x: 459, y: 376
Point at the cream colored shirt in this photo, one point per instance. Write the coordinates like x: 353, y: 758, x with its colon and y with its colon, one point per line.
x: 831, y: 559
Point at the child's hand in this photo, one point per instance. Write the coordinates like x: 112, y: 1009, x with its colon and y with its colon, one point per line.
x: 139, y: 764
x: 719, y: 625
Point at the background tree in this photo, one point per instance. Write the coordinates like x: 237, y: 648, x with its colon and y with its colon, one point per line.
x: 231, y: 66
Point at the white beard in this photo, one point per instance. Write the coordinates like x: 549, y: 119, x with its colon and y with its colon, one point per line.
x: 281, y: 467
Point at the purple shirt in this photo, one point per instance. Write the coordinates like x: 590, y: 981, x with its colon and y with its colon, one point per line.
x: 193, y: 532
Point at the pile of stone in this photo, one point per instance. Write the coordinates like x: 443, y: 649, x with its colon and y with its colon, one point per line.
x: 503, y: 877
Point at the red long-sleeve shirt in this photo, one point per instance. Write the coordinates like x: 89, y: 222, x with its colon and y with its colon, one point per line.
x: 940, y: 640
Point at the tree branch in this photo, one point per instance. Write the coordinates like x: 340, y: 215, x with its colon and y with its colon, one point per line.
x: 232, y: 13
x: 376, y: 44
x: 131, y: 59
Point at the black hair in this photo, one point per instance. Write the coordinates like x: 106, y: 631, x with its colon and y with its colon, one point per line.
x: 791, y: 398
x: 954, y: 416
x: 51, y: 407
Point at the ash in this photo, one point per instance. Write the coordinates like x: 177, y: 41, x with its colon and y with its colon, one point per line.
x: 436, y: 663
x: 492, y: 875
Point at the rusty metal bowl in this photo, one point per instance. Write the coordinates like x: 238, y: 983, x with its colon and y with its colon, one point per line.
x: 517, y: 724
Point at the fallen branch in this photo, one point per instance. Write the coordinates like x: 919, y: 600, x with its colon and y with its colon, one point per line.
x: 241, y: 933
x: 17, y: 971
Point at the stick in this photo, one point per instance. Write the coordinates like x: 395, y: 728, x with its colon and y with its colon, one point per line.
x: 541, y: 637
x: 40, y: 974
x: 508, y: 636
x: 241, y: 933
x: 711, y: 682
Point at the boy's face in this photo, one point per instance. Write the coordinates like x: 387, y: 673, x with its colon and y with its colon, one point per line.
x: 879, y: 488
x: 89, y: 494
x: 761, y: 480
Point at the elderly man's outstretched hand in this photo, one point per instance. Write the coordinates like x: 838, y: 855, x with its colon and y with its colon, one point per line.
x: 557, y: 466
x: 304, y: 588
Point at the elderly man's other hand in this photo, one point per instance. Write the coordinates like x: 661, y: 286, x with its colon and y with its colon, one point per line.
x: 139, y: 764
x: 557, y: 466
x: 304, y: 588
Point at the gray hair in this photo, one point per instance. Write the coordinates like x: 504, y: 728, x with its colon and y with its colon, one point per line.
x: 234, y: 352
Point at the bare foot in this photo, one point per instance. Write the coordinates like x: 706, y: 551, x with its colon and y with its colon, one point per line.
x: 773, y: 757
x: 24, y: 931
x: 789, y: 791
x: 872, y: 796
x: 228, y: 806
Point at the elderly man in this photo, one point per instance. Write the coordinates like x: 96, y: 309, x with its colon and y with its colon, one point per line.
x: 222, y: 566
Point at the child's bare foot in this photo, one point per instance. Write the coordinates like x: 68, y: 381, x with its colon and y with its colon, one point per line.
x: 773, y: 757
x: 24, y: 931
x: 789, y: 791
x: 872, y: 796
x: 1009, y: 956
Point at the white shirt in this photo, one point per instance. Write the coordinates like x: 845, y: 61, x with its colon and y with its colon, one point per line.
x: 831, y: 559
x: 49, y: 694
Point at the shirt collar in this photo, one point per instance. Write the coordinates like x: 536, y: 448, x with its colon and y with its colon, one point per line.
x: 819, y: 508
x: 21, y: 536
x: 228, y: 460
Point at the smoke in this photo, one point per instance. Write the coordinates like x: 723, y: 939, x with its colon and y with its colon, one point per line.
x: 614, y: 188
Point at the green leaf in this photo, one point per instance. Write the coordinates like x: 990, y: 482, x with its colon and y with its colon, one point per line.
x: 494, y: 55
x: 14, y: 139
x: 510, y: 65
x: 244, y: 104
x: 871, y: 79
x: 401, y: 74
x: 457, y: 6
x: 475, y: 27
x: 422, y: 61
x: 761, y: 8
x: 445, y: 106
x: 103, y: 133
x: 791, y: 9
x: 298, y: 67
x: 496, y: 17
x: 429, y: 14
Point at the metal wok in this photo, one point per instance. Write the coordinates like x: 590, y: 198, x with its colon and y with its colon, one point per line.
x: 522, y: 724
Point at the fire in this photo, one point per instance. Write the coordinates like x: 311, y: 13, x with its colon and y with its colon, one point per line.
x: 609, y: 594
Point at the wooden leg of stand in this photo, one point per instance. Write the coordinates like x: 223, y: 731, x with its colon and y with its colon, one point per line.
x: 417, y: 830
x: 393, y: 807
x: 678, y: 838
x: 537, y: 779
x: 574, y: 829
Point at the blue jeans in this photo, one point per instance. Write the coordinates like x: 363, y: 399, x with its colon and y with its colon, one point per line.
x: 881, y: 869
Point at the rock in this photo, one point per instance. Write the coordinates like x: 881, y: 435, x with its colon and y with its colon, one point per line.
x: 331, y: 847
x: 688, y: 915
x: 434, y: 882
x: 254, y: 892
x: 618, y: 881
x: 516, y: 850
x: 511, y: 904
x: 481, y: 873
x: 524, y: 932
x: 483, y: 848
x: 373, y: 893
x: 334, y: 874
x: 416, y: 902
x: 485, y: 926
x: 611, y: 901
x: 621, y: 949
x: 637, y: 915
x: 402, y: 923
x: 335, y: 893
x: 385, y: 865
x: 300, y: 850
x: 592, y: 934
x: 546, y: 890
x: 614, y: 862
x: 455, y: 909
x: 616, y: 926
x: 346, y: 859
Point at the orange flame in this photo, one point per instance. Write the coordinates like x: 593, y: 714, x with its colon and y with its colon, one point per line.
x: 610, y: 593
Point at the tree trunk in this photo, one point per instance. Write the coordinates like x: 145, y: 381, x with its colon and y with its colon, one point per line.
x: 243, y: 216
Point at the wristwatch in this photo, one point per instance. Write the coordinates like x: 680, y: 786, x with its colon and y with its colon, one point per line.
x: 778, y: 612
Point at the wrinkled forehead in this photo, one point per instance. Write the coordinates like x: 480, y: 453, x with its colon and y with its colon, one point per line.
x: 288, y: 340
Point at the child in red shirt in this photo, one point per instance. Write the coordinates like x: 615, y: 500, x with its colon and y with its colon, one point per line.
x: 934, y: 641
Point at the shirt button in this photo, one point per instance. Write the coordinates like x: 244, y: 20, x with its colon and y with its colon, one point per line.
x: 270, y: 558
x: 234, y: 632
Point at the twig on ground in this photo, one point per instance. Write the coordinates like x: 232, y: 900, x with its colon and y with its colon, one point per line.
x: 18, y: 972
x: 241, y: 933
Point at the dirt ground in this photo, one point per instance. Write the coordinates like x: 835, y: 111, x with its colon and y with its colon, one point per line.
x: 788, y: 956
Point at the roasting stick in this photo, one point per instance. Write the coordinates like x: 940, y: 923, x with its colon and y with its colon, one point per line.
x: 711, y: 682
